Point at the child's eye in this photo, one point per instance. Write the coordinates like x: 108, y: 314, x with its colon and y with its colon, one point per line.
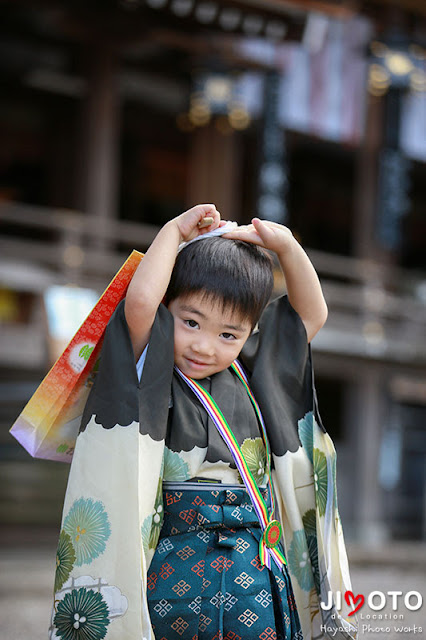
x: 191, y: 323
x: 228, y: 336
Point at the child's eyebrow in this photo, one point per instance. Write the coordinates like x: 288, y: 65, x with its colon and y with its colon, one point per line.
x: 188, y: 309
x: 234, y: 327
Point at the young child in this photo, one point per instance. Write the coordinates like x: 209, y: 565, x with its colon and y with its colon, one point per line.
x: 199, y: 484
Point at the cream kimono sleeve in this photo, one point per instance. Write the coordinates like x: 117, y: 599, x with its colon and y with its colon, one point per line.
x: 279, y: 362
x: 113, y: 505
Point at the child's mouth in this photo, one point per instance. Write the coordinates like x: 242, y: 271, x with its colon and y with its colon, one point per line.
x: 196, y: 363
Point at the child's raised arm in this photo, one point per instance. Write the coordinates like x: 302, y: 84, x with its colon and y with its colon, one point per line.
x: 303, y: 286
x: 151, y: 279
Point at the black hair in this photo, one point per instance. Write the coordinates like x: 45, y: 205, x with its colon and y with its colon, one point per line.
x: 237, y: 274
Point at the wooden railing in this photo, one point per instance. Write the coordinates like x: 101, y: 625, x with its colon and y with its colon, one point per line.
x: 363, y: 296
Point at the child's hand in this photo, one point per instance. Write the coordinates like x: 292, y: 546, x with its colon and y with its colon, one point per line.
x: 264, y: 233
x: 189, y: 223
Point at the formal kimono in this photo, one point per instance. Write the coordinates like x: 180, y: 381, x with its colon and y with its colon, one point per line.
x: 144, y: 552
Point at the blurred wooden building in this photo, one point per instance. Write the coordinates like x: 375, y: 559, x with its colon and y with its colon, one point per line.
x: 115, y: 115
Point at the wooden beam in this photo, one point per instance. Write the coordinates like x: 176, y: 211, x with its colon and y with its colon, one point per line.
x: 334, y: 8
x: 412, y: 6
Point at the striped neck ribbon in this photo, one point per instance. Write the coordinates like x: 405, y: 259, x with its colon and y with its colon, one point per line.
x: 271, y: 529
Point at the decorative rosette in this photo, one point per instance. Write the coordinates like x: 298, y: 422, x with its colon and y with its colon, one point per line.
x: 82, y: 615
x: 272, y: 534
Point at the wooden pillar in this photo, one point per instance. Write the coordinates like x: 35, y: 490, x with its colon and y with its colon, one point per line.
x: 364, y: 243
x: 100, y: 150
x: 215, y: 163
x: 369, y: 405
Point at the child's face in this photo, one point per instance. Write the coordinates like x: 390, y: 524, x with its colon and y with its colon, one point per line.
x: 207, y: 338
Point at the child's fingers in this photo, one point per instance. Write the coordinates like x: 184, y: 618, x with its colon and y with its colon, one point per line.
x: 189, y: 221
x: 209, y: 223
x: 210, y: 218
x: 201, y: 211
x: 264, y: 224
x: 264, y: 230
x: 264, y: 233
x: 247, y: 233
x: 207, y: 217
x: 205, y: 209
x: 205, y: 222
x: 272, y: 225
x: 240, y: 230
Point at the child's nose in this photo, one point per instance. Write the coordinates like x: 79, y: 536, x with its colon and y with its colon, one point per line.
x: 204, y: 346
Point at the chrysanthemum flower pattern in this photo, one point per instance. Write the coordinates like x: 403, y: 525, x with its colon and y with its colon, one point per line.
x: 65, y: 559
x: 157, y: 517
x: 306, y: 434
x: 175, y: 469
x: 255, y: 455
x: 299, y: 561
x: 320, y: 480
x: 88, y: 527
x: 145, y: 532
x: 309, y: 523
x: 82, y: 615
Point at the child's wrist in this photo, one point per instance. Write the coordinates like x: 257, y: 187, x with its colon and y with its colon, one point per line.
x: 288, y: 237
x: 173, y: 225
x: 287, y: 246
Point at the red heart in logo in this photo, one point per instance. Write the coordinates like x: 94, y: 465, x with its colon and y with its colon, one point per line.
x: 348, y: 596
